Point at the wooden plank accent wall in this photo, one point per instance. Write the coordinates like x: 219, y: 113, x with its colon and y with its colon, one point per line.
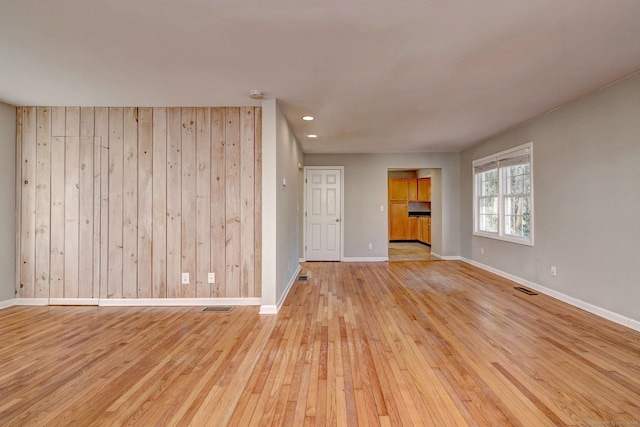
x: 118, y: 202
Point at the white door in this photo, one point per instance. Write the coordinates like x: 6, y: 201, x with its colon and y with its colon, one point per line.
x: 323, y: 192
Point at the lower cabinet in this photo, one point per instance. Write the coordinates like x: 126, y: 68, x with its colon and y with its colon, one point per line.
x: 425, y: 235
x: 414, y: 228
x: 398, y: 220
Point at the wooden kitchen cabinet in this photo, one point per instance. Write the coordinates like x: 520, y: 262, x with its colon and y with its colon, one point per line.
x: 412, y: 189
x: 398, y: 189
x: 426, y: 230
x: 398, y: 220
x: 424, y: 189
x: 414, y: 228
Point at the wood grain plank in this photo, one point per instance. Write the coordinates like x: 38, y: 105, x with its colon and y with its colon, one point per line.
x: 101, y: 210
x: 18, y: 206
x: 174, y: 202
x: 232, y: 205
x: 57, y: 160
x: 159, y: 220
x: 247, y: 202
x: 116, y: 196
x: 145, y: 201
x: 86, y: 181
x: 72, y: 203
x: 43, y: 202
x: 218, y: 200
x: 28, y: 214
x: 258, y: 204
x: 130, y: 204
x: 189, y: 191
x: 203, y: 202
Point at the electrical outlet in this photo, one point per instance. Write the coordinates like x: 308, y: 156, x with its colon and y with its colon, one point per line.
x: 211, y: 278
x: 553, y: 270
x: 381, y: 208
x: 370, y: 246
x: 185, y: 278
x: 481, y: 251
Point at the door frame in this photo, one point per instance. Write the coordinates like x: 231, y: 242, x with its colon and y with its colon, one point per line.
x: 304, y: 207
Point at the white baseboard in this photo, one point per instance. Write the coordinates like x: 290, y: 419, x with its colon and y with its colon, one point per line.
x: 289, y: 285
x: 73, y: 301
x: 273, y: 309
x: 446, y: 257
x: 594, y: 309
x: 31, y: 301
x: 176, y: 302
x: 268, y: 309
x: 302, y: 260
x: 365, y: 259
x: 6, y: 304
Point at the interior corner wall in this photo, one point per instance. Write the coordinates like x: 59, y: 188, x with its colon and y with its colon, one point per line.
x: 7, y: 207
x: 281, y: 156
x: 586, y: 166
x: 366, y: 189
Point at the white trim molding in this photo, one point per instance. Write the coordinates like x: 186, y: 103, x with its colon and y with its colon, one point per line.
x: 268, y: 309
x: 593, y: 309
x: 8, y: 303
x: 176, y: 302
x: 73, y: 301
x: 365, y: 259
x: 31, y: 301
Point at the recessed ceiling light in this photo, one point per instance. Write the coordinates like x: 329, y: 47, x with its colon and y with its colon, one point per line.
x: 312, y: 136
x: 307, y: 118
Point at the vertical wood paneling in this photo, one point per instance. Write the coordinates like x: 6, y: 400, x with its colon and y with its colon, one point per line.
x: 189, y: 221
x: 86, y: 237
x: 159, y: 221
x: 28, y: 249
x: 116, y: 161
x: 130, y: 205
x: 145, y: 200
x: 101, y: 248
x: 18, y: 207
x: 218, y: 203
x: 174, y: 202
x: 258, y: 206
x: 71, y: 202
x: 43, y: 201
x: 58, y: 123
x: 247, y: 201
x: 232, y: 167
x: 117, y: 202
x: 203, y: 202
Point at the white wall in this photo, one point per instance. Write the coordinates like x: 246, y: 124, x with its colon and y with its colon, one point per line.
x: 366, y: 187
x: 280, y: 158
x: 7, y: 206
x: 587, y: 200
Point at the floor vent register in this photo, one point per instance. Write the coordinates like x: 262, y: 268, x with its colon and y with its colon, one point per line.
x: 525, y: 290
x: 218, y: 309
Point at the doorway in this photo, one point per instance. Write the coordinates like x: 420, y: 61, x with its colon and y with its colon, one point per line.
x: 323, y: 230
x: 410, y: 199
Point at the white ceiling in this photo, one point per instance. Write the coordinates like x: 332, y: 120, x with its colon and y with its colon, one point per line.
x: 378, y: 75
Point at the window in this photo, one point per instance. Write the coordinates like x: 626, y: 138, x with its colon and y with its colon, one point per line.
x: 503, y: 195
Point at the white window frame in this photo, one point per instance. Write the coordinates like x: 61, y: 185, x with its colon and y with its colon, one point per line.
x: 524, y: 149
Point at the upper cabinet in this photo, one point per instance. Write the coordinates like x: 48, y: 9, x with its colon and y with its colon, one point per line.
x: 398, y: 189
x: 410, y: 189
x: 424, y: 190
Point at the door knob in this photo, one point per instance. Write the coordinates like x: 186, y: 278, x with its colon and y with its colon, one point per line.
x: 337, y: 219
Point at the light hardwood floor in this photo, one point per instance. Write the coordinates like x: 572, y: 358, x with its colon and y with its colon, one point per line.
x: 410, y: 251
x: 406, y: 343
